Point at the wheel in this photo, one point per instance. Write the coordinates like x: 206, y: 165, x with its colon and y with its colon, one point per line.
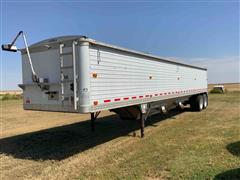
x: 180, y: 106
x: 196, y: 103
x: 192, y: 102
x: 199, y: 103
x: 205, y: 101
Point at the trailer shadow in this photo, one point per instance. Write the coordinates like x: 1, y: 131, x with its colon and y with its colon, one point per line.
x: 234, y: 148
x: 62, y: 142
x: 233, y: 174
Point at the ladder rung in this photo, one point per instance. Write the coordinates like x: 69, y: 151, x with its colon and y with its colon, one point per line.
x: 67, y: 53
x: 67, y: 67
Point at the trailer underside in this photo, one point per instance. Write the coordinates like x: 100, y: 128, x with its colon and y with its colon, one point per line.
x: 140, y: 113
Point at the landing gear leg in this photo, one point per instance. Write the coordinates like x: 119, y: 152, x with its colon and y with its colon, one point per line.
x: 93, y: 118
x: 144, y: 117
x: 142, y: 124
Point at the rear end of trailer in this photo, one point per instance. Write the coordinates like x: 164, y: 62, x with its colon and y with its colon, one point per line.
x: 79, y: 74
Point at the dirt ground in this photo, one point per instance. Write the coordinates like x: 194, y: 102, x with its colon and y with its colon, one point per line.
x: 49, y: 145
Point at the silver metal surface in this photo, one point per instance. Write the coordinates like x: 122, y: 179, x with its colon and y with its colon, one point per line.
x: 53, y: 42
x: 120, y: 104
x: 61, y: 74
x: 29, y: 56
x: 74, y: 74
x: 101, y: 73
x: 84, y: 76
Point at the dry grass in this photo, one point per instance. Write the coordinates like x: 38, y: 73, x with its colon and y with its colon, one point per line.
x: 228, y: 86
x: 180, y: 145
x: 11, y: 92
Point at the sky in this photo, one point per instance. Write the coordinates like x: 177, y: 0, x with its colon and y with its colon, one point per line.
x: 204, y: 33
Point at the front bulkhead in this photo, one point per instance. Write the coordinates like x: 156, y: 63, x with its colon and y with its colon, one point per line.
x: 62, y: 65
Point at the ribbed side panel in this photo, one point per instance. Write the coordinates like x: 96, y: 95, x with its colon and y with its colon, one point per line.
x: 117, y: 74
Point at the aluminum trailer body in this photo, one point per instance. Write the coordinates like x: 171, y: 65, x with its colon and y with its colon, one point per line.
x: 81, y: 75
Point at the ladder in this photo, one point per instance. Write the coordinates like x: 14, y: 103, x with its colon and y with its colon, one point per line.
x: 64, y: 77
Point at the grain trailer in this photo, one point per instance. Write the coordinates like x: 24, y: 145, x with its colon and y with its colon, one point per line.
x: 82, y: 75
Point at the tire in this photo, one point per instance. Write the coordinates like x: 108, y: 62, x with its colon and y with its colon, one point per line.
x: 180, y: 107
x: 199, y: 103
x: 205, y: 101
x: 192, y: 102
x: 196, y: 103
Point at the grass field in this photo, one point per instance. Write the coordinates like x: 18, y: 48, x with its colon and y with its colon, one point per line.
x: 228, y: 86
x: 179, y: 145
